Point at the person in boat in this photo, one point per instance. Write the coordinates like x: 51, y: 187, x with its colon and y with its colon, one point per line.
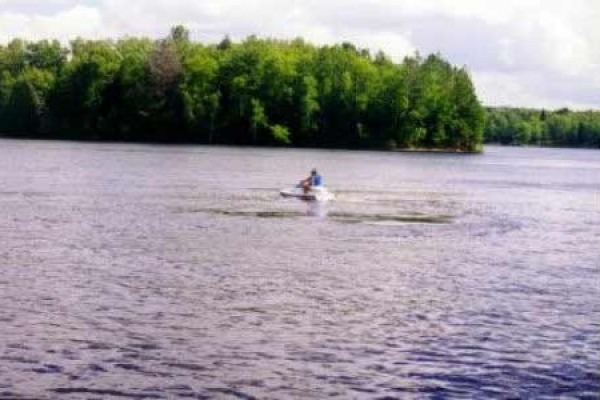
x: 314, y: 180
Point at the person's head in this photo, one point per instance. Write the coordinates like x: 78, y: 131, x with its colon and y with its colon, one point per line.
x: 313, y: 172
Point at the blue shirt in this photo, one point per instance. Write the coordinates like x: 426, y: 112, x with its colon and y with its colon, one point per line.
x: 316, y: 180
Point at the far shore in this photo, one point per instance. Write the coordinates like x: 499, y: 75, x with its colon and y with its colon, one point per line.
x: 192, y: 143
x: 21, y: 136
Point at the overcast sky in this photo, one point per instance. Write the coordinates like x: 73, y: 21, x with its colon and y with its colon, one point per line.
x: 538, y: 53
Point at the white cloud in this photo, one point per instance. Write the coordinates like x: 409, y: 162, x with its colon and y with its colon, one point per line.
x: 63, y: 25
x: 533, y: 89
x: 520, y: 52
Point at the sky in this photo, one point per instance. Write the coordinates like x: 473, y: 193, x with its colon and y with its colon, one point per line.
x: 525, y: 53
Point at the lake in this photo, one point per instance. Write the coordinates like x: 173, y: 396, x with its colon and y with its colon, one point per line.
x: 164, y: 272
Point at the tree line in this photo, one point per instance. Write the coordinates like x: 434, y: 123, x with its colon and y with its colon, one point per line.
x: 255, y: 92
x: 520, y: 126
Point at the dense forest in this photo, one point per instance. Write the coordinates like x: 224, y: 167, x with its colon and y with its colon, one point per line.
x: 518, y: 126
x: 257, y: 92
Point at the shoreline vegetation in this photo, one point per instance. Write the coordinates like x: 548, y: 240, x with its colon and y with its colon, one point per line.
x: 542, y: 128
x: 260, y: 92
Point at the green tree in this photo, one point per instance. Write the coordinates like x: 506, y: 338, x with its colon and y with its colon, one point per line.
x: 201, y: 93
x: 46, y: 55
x: 77, y: 98
x: 469, y: 114
x: 258, y: 91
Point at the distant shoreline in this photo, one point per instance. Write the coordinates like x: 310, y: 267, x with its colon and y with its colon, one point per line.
x: 192, y: 143
x: 21, y: 136
x: 380, y: 149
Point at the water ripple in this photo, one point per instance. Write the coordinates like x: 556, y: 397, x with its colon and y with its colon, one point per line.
x: 148, y: 273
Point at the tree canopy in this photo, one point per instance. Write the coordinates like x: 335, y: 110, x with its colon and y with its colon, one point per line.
x: 255, y: 92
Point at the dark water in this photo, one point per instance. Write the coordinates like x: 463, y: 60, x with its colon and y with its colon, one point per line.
x: 149, y: 272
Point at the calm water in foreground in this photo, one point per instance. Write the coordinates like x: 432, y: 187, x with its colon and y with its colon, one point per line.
x: 156, y: 272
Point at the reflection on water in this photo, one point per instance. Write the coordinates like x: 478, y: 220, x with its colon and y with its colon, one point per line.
x: 165, y: 272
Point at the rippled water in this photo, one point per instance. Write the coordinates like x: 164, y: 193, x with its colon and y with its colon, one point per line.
x: 151, y: 272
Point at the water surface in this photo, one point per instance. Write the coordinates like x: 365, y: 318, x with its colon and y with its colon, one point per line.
x: 164, y: 272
